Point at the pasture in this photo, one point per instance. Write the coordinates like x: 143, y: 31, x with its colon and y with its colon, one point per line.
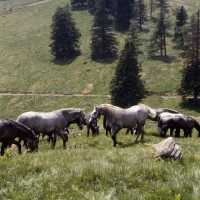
x: 90, y: 168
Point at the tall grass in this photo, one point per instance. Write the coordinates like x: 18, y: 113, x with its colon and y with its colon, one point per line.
x: 92, y: 169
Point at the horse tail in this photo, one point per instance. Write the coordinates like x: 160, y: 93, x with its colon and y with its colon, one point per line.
x: 104, y: 122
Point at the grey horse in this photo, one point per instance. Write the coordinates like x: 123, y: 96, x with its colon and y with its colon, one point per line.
x: 119, y: 118
x: 55, y: 121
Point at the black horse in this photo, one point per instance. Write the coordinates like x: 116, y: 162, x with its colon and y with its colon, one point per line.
x: 178, y: 122
x: 94, y: 128
x: 10, y: 130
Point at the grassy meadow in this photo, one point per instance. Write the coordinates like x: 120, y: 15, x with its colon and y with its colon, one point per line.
x: 90, y: 168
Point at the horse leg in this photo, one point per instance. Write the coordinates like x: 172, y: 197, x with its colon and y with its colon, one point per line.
x: 143, y: 132
x: 186, y: 131
x: 114, y: 138
x: 54, y: 140
x: 138, y: 134
x: 65, y: 133
x: 171, y: 131
x: 177, y: 132
x: 19, y: 146
x: 140, y: 129
x: 93, y: 131
x: 108, y: 129
x: 3, y: 147
x: 60, y: 133
x: 88, y: 130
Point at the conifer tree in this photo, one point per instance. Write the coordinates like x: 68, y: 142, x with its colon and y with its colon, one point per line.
x: 180, y: 32
x: 158, y: 38
x: 123, y: 14
x: 109, y: 4
x: 140, y: 12
x: 64, y: 35
x: 78, y: 2
x: 126, y: 87
x: 190, y: 81
x: 162, y: 5
x: 103, y: 44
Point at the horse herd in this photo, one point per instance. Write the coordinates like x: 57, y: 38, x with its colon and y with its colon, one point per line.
x: 30, y: 125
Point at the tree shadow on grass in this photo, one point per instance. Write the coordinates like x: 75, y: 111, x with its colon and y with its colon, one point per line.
x: 79, y: 8
x: 106, y: 60
x: 165, y: 59
x: 63, y: 62
x: 189, y: 104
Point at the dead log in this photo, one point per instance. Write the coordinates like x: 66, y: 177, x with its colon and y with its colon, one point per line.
x: 168, y: 149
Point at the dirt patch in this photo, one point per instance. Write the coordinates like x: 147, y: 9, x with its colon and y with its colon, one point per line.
x: 88, y: 89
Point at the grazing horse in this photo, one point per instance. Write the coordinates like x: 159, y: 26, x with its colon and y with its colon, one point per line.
x: 119, y: 118
x: 93, y: 127
x: 179, y: 122
x: 9, y: 130
x: 160, y: 111
x: 163, y: 119
x: 53, y: 122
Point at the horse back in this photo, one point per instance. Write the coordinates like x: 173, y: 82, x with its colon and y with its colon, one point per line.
x: 39, y: 122
x: 9, y: 130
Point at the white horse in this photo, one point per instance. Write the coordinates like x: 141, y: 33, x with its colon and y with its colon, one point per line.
x: 119, y: 118
x: 53, y: 122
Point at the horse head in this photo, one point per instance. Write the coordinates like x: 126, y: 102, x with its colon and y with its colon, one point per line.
x: 95, y: 115
x: 33, y: 145
x: 81, y: 120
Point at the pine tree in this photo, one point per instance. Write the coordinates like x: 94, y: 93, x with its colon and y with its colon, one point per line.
x: 180, y: 32
x: 190, y: 82
x: 140, y: 12
x: 123, y: 14
x: 64, y: 35
x: 103, y: 43
x: 78, y: 2
x: 158, y: 38
x: 109, y: 4
x: 126, y: 87
x: 162, y: 5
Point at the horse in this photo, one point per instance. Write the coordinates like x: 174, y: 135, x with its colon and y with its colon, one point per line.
x: 53, y: 122
x: 160, y: 111
x: 163, y: 120
x: 179, y: 122
x: 119, y: 118
x: 9, y: 130
x: 108, y: 129
x: 94, y: 128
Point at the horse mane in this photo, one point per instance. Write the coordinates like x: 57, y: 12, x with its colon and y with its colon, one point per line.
x: 20, y: 125
x: 110, y: 109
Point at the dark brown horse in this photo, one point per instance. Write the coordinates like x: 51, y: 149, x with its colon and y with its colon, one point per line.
x: 10, y: 130
x: 160, y: 111
x: 94, y: 128
x: 178, y: 122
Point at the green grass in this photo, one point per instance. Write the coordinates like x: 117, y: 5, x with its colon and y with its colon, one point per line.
x: 90, y: 168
